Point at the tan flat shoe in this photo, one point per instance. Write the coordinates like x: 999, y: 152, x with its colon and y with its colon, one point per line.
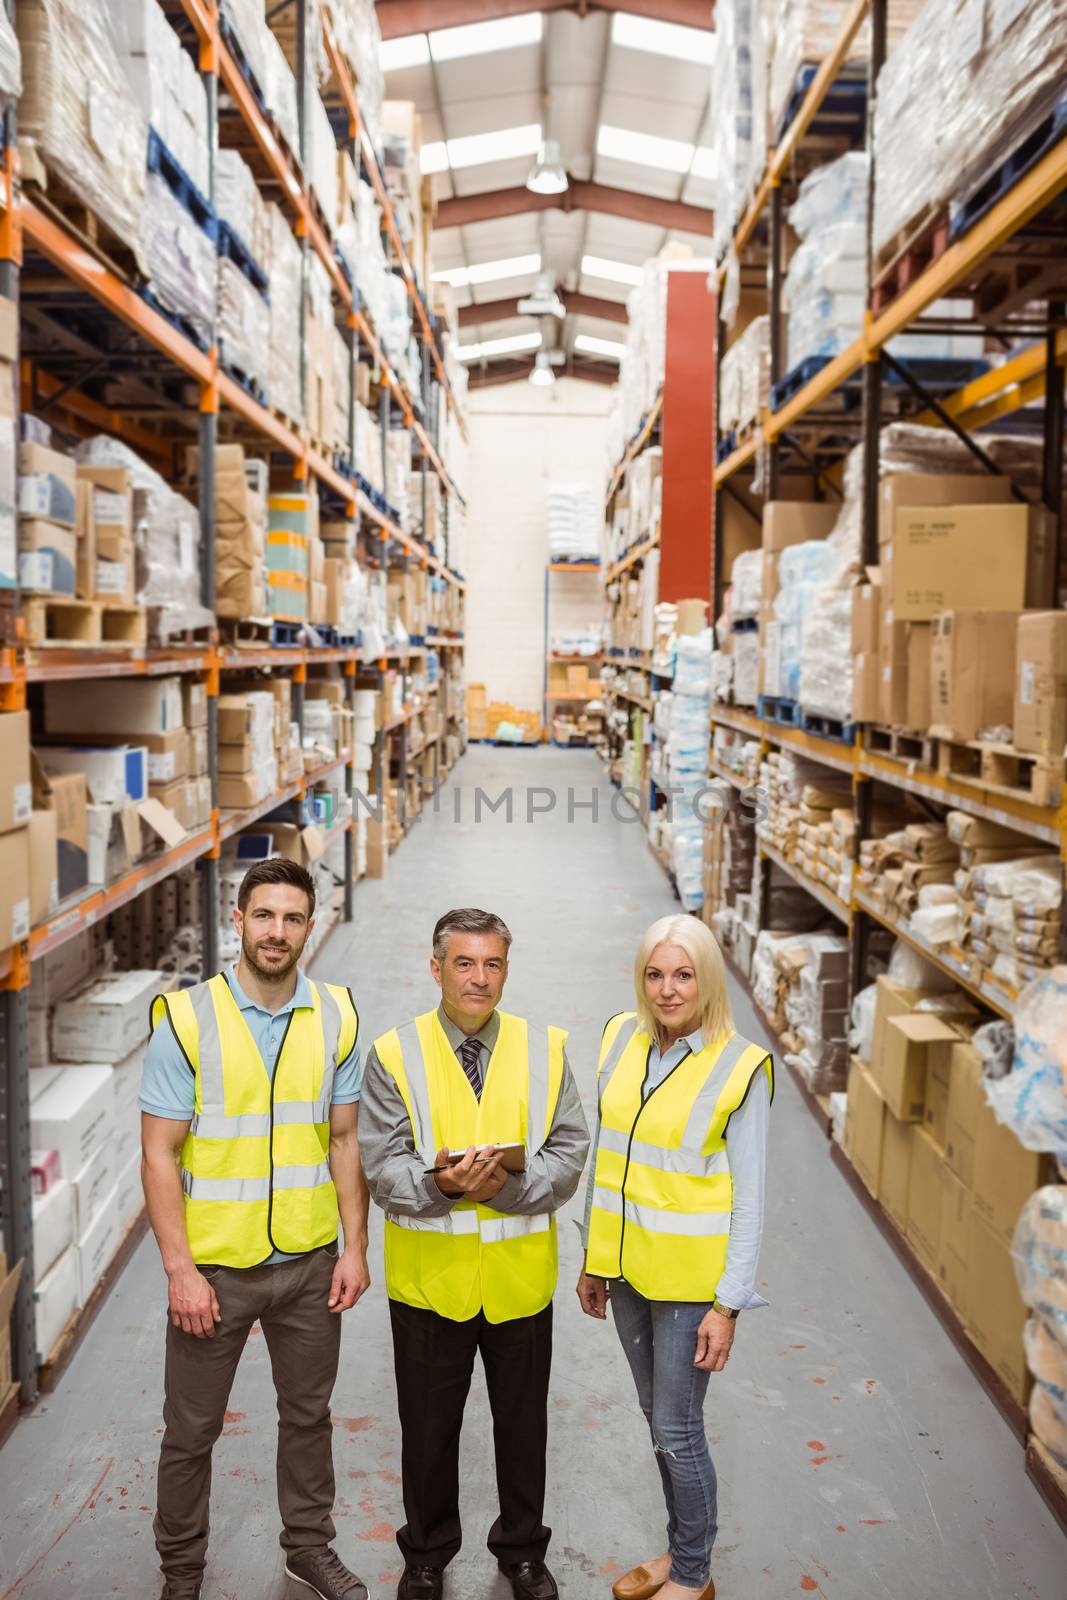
x: 637, y: 1584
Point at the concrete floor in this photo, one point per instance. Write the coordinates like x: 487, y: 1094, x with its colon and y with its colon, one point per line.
x: 857, y: 1454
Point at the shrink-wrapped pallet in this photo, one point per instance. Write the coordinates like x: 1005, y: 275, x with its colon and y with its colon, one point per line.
x: 240, y: 205
x: 285, y: 292
x: 342, y: 389
x: 10, y: 61
x: 166, y: 533
x: 78, y: 111
x: 243, y: 325
x: 180, y: 258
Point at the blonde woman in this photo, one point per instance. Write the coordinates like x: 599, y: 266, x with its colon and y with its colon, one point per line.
x: 673, y: 1217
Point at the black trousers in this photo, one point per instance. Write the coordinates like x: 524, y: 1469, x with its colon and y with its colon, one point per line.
x: 434, y: 1363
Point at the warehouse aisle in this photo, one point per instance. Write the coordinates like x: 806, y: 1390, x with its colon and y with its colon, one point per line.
x: 857, y: 1455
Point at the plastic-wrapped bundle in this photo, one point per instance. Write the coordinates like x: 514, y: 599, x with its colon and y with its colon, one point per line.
x: 398, y: 469
x: 746, y: 580
x: 803, y: 31
x: 721, y: 677
x: 802, y: 569
x: 369, y: 448
x: 247, y: 21
x: 1046, y: 1356
x: 165, y: 83
x: 77, y: 106
x: 827, y: 277
x: 861, y: 1034
x: 1039, y: 1245
x: 1030, y: 1099
x: 825, y: 678
x: 166, y: 533
x: 279, y: 91
x: 10, y: 61
x: 243, y: 326
x: 692, y: 674
x: 739, y: 129
x: 286, y: 277
x: 239, y: 203
x: 342, y: 388
x: 395, y: 328
x: 322, y: 156
x: 358, y: 35
x: 575, y: 514
x: 180, y: 258
x: 746, y: 667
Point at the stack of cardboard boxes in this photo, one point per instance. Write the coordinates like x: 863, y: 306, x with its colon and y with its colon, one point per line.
x: 785, y: 523
x: 241, y: 488
x: 292, y: 530
x: 75, y: 536
x: 949, y: 1176
x: 84, y: 1124
x: 27, y: 843
x: 47, y: 510
x: 250, y: 727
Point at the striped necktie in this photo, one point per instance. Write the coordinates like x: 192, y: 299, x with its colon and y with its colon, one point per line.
x: 470, y: 1052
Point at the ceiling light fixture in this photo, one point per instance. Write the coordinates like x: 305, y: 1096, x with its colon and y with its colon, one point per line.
x: 549, y: 175
x: 611, y: 271
x: 541, y: 374
x: 511, y: 344
x: 490, y: 271
x: 590, y: 346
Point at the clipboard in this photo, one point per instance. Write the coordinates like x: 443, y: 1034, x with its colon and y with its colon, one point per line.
x: 512, y: 1160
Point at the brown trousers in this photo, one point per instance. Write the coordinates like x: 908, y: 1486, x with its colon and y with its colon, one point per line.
x: 304, y: 1338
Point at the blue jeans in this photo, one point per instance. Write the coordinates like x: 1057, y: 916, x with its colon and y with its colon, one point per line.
x: 660, y: 1338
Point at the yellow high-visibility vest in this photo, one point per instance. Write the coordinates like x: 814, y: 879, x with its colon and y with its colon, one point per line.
x: 254, y: 1163
x: 662, y: 1186
x: 473, y: 1258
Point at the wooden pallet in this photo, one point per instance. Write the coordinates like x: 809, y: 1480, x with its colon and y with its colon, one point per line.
x: 1002, y: 769
x: 53, y: 195
x: 912, y: 749
x: 908, y: 255
x: 52, y: 621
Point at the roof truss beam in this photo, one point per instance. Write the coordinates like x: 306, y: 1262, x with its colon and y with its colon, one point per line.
x: 677, y: 216
x: 576, y: 305
x: 487, y: 376
x: 398, y: 18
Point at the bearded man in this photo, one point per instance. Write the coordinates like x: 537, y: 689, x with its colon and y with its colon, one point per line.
x: 249, y: 1103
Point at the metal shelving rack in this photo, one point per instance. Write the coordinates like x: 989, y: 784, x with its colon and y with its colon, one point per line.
x: 26, y: 228
x: 1034, y: 372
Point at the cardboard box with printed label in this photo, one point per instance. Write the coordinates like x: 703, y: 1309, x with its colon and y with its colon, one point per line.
x: 926, y: 1193
x: 53, y: 1225
x: 92, y: 1185
x: 112, y: 507
x: 48, y: 558
x: 1040, y: 702
x: 97, y: 1245
x: 952, y: 1248
x: 906, y: 490
x: 905, y: 666
x: 964, y: 558
x: 131, y: 706
x: 864, y: 1113
x: 194, y: 703
x: 46, y: 485
x: 867, y: 604
x: 113, y: 774
x: 996, y: 1315
x: 911, y: 1043
x: 895, y: 1170
x: 972, y: 671
x: 16, y: 792
x: 109, y: 1019
x: 866, y: 687
x: 56, y: 1296
x: 74, y: 1115
x: 1005, y: 1174
x: 14, y: 887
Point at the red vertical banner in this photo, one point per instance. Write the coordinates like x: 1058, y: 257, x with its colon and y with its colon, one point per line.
x: 688, y: 437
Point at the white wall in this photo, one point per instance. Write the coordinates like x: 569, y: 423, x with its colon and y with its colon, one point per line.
x: 520, y: 438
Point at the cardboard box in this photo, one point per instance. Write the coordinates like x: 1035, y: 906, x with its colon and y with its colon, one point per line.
x: 130, y: 706
x: 238, y: 790
x: 92, y: 1185
x: 114, y: 578
x: 864, y: 1114
x: 910, y: 1043
x: 194, y: 703
x: 95, y: 1247
x: 952, y: 1249
x: 53, y: 1225
x: 112, y: 504
x: 242, y: 716
x: 55, y: 1299
x: 85, y: 531
x: 866, y: 688
x: 866, y: 618
x: 905, y: 663
x: 908, y: 489
x: 1039, y: 711
x: 926, y: 1193
x: 109, y: 1019
x: 16, y: 792
x: 168, y: 755
x: 789, y: 522
x: 972, y: 671
x: 41, y: 841
x: 938, y: 1086
x: 46, y: 485
x: 113, y: 774
x: 48, y: 558
x: 377, y: 847
x: 956, y: 558
x: 891, y: 999
x: 1005, y: 1174
x: 966, y: 1108
x: 996, y: 1315
x: 61, y: 971
x: 14, y: 887
x: 74, y: 1115
x: 895, y: 1170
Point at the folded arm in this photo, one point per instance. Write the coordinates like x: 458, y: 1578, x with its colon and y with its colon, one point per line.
x: 395, y: 1172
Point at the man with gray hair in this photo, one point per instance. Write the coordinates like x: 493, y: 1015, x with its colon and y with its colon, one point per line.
x: 472, y: 1137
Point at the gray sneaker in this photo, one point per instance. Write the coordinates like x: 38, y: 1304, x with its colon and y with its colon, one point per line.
x: 325, y: 1574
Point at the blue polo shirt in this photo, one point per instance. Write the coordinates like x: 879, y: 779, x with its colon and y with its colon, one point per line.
x: 167, y: 1086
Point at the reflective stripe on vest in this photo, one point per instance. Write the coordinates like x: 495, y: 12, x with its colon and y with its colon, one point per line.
x: 661, y: 1196
x: 473, y: 1258
x: 254, y: 1164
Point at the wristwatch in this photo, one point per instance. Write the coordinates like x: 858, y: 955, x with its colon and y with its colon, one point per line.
x: 724, y: 1311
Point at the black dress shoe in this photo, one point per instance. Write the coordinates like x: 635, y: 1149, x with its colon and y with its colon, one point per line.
x: 421, y: 1583
x: 530, y: 1580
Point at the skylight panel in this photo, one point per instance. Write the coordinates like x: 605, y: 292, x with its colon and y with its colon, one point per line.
x: 611, y: 271
x: 481, y: 38
x: 645, y: 149
x: 413, y: 50
x: 499, y: 347
x: 663, y: 38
